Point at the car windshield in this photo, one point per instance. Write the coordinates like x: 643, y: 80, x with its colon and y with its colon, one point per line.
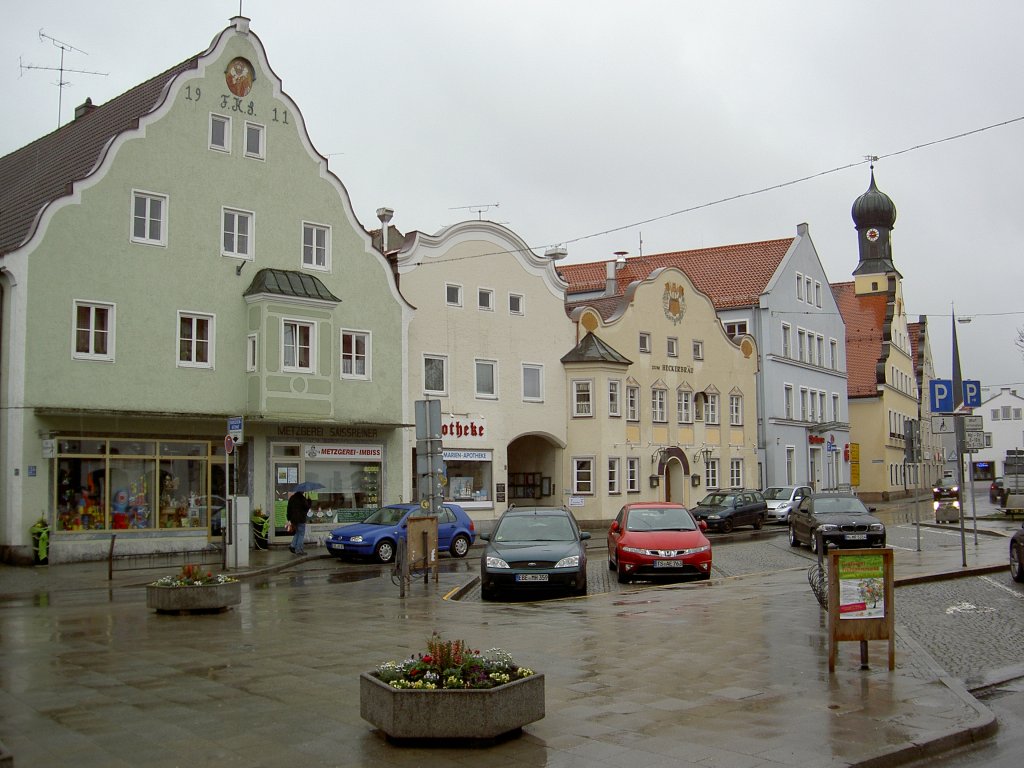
x: 386, y: 516
x: 655, y: 519
x: 778, y: 494
x: 534, y: 528
x: 946, y: 482
x: 844, y: 504
x: 716, y: 500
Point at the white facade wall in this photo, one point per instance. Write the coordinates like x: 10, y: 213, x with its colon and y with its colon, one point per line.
x: 520, y: 434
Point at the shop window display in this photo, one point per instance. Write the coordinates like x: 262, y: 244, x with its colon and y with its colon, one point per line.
x: 132, y: 485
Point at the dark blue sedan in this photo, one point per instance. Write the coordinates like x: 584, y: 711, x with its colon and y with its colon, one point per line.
x: 378, y: 535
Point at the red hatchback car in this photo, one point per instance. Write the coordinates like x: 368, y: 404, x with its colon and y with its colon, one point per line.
x: 649, y: 539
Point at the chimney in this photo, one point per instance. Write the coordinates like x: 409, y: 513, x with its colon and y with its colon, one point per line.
x: 620, y: 259
x: 611, y: 285
x: 385, y: 215
x: 84, y: 109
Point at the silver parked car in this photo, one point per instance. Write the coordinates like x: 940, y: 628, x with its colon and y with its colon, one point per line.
x: 781, y: 499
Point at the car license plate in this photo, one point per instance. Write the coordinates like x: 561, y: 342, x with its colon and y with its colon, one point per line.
x: 856, y: 537
x: 531, y: 577
x: 335, y: 545
x: 668, y: 564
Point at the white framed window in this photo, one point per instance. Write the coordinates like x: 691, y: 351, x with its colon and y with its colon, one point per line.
x: 487, y: 379
x: 787, y: 401
x: 711, y: 474
x: 614, y: 397
x: 790, y: 465
x: 435, y: 374
x: 821, y: 406
x: 835, y: 408
x: 149, y: 218
x: 516, y: 304
x: 632, y: 403
x: 820, y: 340
x: 807, y: 290
x: 711, y: 409
x: 645, y: 341
x: 316, y: 245
x: 533, y: 382
x: 485, y: 299
x: 356, y: 352
x: 614, y: 471
x: 1005, y: 412
x: 738, y: 328
x: 238, y: 228
x: 833, y: 353
x: 735, y: 473
x: 817, y: 294
x: 583, y: 474
x: 251, y: 352
x: 995, y: 414
x: 736, y: 410
x: 659, y: 409
x: 195, y: 340
x: 801, y: 346
x: 787, y: 340
x: 93, y: 331
x: 684, y: 406
x: 582, y: 398
x: 220, y: 133
x: 453, y: 294
x: 672, y: 346
x: 803, y: 404
x: 298, y: 346
x: 698, y: 350
x: 255, y: 141
x: 632, y: 474
x: 799, y: 287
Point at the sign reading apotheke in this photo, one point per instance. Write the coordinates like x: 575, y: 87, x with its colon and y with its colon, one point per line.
x: 464, y: 428
x: 350, y: 452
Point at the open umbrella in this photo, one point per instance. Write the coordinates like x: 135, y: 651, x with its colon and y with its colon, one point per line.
x: 308, y: 485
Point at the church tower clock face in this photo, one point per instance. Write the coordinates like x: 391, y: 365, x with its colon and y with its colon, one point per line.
x: 872, y: 234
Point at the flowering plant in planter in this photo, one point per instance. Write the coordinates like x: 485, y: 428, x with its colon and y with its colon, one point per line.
x: 191, y: 575
x: 452, y: 664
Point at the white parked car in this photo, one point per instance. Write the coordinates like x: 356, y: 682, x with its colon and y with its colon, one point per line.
x: 781, y: 499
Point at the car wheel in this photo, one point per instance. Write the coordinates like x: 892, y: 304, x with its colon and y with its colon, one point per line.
x: 622, y: 576
x: 385, y: 551
x: 460, y: 546
x: 758, y: 522
x: 488, y: 594
x: 726, y: 526
x: 1016, y: 556
x: 611, y: 564
x: 814, y: 543
x: 581, y: 590
x: 793, y: 540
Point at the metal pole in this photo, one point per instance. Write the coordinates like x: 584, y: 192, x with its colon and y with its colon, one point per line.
x: 974, y: 508
x: 958, y: 427
x: 917, y: 508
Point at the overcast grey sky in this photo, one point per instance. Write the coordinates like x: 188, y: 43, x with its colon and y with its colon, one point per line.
x: 570, y: 118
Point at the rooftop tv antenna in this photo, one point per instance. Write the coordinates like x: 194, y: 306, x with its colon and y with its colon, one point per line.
x: 479, y: 210
x: 61, y: 82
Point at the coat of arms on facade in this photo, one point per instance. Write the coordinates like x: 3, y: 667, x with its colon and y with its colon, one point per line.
x: 675, y: 304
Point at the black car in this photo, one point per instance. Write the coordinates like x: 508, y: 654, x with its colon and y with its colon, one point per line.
x: 995, y: 491
x: 725, y: 510
x: 532, y: 549
x: 946, y: 500
x: 1017, y: 555
x: 841, y: 518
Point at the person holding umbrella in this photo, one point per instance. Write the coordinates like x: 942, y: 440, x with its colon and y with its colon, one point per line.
x: 298, y: 509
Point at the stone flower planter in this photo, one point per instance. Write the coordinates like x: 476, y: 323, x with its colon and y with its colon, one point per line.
x: 207, y: 598
x: 451, y: 714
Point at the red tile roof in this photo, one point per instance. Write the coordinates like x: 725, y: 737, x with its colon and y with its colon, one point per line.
x: 731, y: 275
x: 864, y: 317
x: 37, y: 174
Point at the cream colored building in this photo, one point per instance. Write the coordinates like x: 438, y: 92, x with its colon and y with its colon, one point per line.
x: 661, y: 401
x: 489, y: 331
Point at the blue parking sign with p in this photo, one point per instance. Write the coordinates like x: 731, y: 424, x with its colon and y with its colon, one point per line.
x: 972, y: 393
x: 941, y: 394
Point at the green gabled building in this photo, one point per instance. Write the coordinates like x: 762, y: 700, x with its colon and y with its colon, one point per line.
x: 176, y: 257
